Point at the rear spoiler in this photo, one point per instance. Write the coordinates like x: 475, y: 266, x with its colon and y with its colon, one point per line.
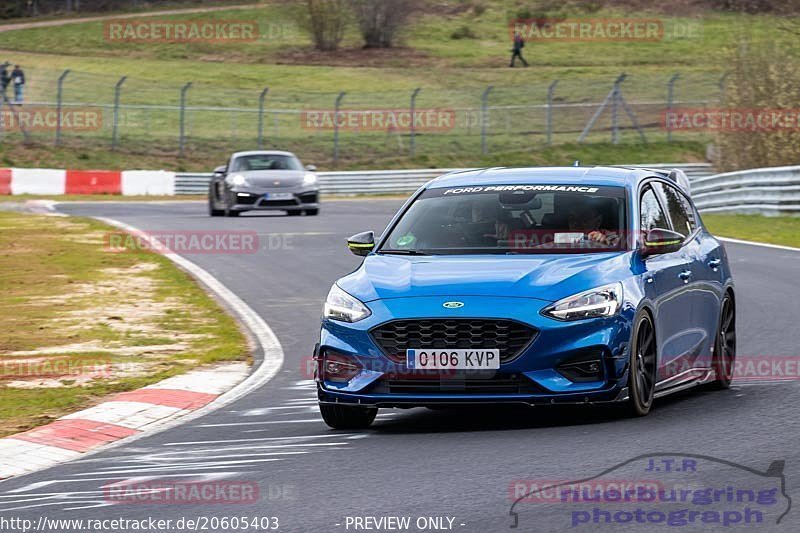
x: 675, y: 175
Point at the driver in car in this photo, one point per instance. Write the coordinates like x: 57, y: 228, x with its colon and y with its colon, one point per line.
x: 481, y: 215
x: 588, y: 219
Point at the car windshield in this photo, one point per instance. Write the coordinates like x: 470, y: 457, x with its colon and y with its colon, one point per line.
x: 266, y: 162
x: 508, y: 219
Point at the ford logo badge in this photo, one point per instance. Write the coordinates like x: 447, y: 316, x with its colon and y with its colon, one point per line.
x: 452, y: 305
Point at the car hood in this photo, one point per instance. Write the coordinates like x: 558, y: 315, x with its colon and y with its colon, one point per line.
x: 274, y: 178
x: 545, y: 277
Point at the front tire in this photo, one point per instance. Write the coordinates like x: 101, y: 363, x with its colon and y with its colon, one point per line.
x: 347, y: 417
x: 231, y: 212
x: 214, y: 212
x: 725, y: 345
x: 642, y: 367
x: 312, y: 212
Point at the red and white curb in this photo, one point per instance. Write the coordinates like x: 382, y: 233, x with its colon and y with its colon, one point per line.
x: 168, y: 403
x: 60, y: 181
x: 124, y: 415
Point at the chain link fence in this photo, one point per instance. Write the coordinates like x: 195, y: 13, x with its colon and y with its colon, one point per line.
x: 181, y: 118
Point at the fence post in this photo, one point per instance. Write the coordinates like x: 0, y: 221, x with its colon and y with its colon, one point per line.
x: 59, y: 98
x: 721, y: 84
x: 485, y: 119
x: 261, y: 99
x: 670, y: 101
x: 182, y: 140
x: 337, y: 106
x: 549, y: 111
x: 114, y: 131
x: 412, y: 139
x: 615, y: 113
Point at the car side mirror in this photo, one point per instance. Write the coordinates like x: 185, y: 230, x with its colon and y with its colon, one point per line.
x: 362, y: 243
x: 311, y: 168
x: 220, y: 170
x: 662, y: 241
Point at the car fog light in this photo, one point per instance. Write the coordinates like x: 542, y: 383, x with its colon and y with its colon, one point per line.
x: 339, y: 368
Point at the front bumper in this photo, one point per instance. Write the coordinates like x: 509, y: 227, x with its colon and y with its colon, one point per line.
x: 293, y: 199
x: 535, y: 376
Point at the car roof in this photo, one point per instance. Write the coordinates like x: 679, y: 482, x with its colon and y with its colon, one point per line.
x: 601, y: 176
x: 262, y: 152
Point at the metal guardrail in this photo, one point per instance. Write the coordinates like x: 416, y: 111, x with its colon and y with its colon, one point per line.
x: 768, y: 191
x: 391, y: 181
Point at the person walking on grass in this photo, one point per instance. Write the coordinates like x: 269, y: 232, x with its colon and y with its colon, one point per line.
x: 519, y: 44
x: 18, y: 79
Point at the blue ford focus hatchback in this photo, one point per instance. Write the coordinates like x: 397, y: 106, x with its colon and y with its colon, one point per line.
x: 530, y: 286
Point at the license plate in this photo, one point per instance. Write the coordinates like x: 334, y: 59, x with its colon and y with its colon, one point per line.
x: 460, y: 359
x: 278, y: 196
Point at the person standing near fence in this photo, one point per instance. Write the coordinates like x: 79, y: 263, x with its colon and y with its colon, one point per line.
x: 5, y: 79
x: 519, y: 44
x: 18, y: 78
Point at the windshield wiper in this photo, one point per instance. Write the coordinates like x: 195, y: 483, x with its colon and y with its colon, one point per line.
x: 403, y: 252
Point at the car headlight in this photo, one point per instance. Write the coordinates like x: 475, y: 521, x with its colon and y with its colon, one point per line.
x: 237, y: 179
x: 309, y: 179
x: 595, y: 303
x: 342, y: 307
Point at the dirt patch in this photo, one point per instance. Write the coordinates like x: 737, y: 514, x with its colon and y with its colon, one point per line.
x: 357, y: 57
x: 122, y: 301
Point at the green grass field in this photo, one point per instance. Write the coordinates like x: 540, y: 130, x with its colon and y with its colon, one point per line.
x: 452, y: 73
x: 783, y: 230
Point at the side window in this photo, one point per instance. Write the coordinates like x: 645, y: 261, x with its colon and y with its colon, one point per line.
x: 680, y: 210
x: 651, y: 212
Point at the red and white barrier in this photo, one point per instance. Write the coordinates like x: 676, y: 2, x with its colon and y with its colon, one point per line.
x: 57, y: 182
x: 5, y: 181
x: 148, y: 182
x: 38, y: 181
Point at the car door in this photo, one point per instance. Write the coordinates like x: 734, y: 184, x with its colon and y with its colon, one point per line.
x: 670, y: 274
x: 705, y: 284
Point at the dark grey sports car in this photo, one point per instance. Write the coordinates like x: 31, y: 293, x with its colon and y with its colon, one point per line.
x: 263, y: 180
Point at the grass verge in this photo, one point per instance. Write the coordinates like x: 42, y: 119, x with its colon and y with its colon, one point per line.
x: 783, y: 230
x: 91, y: 156
x: 81, y: 321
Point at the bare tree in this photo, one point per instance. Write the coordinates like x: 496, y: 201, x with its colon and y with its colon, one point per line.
x: 380, y: 20
x: 327, y: 20
x: 765, y: 79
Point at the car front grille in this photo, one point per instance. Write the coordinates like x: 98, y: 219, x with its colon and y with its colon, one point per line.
x: 279, y: 203
x: 508, y: 336
x: 449, y: 384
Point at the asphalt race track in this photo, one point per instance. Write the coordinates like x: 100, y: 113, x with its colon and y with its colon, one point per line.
x: 417, y: 463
